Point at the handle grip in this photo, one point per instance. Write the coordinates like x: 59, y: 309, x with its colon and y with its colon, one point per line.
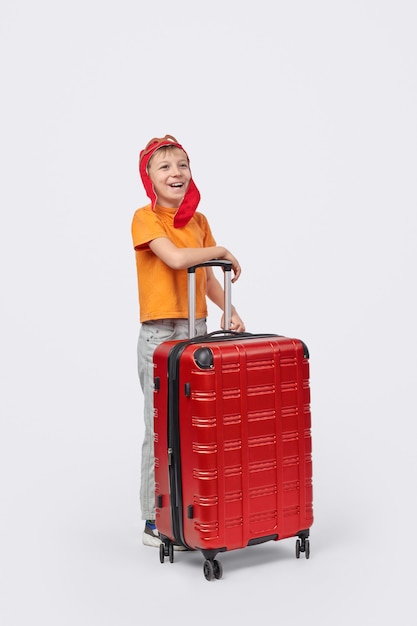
x: 227, y: 267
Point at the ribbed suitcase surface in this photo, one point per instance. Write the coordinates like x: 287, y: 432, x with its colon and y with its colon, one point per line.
x: 233, y: 462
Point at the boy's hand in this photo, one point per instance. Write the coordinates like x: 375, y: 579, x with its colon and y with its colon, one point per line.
x: 228, y: 256
x: 236, y: 323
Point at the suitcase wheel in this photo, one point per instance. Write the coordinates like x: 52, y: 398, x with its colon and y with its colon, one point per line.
x: 166, y: 550
x: 212, y: 569
x: 302, y: 545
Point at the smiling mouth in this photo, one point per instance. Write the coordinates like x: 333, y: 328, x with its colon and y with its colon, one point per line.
x: 177, y: 185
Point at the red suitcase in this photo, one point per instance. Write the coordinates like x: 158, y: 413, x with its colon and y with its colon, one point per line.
x: 233, y: 464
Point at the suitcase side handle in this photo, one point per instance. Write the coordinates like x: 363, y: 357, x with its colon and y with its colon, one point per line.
x: 227, y: 268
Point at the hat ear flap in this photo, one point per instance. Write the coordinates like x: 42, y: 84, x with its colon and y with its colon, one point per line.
x: 188, y: 206
x: 146, y: 180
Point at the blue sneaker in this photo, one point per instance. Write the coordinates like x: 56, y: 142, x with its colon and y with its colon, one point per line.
x: 150, y: 535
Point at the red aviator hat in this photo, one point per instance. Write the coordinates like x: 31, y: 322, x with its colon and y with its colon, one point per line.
x: 191, y: 199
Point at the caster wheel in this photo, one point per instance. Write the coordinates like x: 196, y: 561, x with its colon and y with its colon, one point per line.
x: 208, y: 569
x: 161, y: 552
x: 307, y: 550
x: 171, y: 552
x: 217, y: 570
x: 298, y: 548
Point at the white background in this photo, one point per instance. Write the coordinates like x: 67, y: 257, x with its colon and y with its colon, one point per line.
x: 300, y: 121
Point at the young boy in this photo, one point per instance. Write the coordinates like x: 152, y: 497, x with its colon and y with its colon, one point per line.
x: 169, y: 236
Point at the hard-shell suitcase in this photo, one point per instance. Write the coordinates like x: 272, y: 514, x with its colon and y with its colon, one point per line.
x: 232, y: 423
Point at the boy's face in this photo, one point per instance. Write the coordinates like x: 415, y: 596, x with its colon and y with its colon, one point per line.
x: 170, y: 174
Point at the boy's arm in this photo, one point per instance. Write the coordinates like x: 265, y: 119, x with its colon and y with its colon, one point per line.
x: 181, y: 258
x: 215, y: 293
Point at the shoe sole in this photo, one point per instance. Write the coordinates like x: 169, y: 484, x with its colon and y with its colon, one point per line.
x: 148, y: 540
x: 155, y: 542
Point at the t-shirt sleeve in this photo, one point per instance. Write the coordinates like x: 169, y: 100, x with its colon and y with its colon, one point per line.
x: 145, y: 227
x: 208, y: 237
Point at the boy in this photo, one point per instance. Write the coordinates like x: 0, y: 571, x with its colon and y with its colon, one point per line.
x: 168, y: 237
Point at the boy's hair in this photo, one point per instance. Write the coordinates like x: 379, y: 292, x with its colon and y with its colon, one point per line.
x: 191, y: 199
x: 158, y: 142
x: 164, y: 150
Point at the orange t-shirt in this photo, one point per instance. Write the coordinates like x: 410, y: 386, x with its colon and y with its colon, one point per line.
x: 163, y: 292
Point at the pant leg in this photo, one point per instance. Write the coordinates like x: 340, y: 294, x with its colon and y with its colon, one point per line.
x: 150, y: 336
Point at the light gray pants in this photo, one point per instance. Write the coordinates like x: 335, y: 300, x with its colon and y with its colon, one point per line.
x: 150, y: 336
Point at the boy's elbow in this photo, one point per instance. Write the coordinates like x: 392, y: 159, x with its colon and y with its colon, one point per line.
x: 177, y: 261
x: 175, y: 265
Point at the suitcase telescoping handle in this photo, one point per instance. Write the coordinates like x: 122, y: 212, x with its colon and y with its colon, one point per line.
x: 227, y: 267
